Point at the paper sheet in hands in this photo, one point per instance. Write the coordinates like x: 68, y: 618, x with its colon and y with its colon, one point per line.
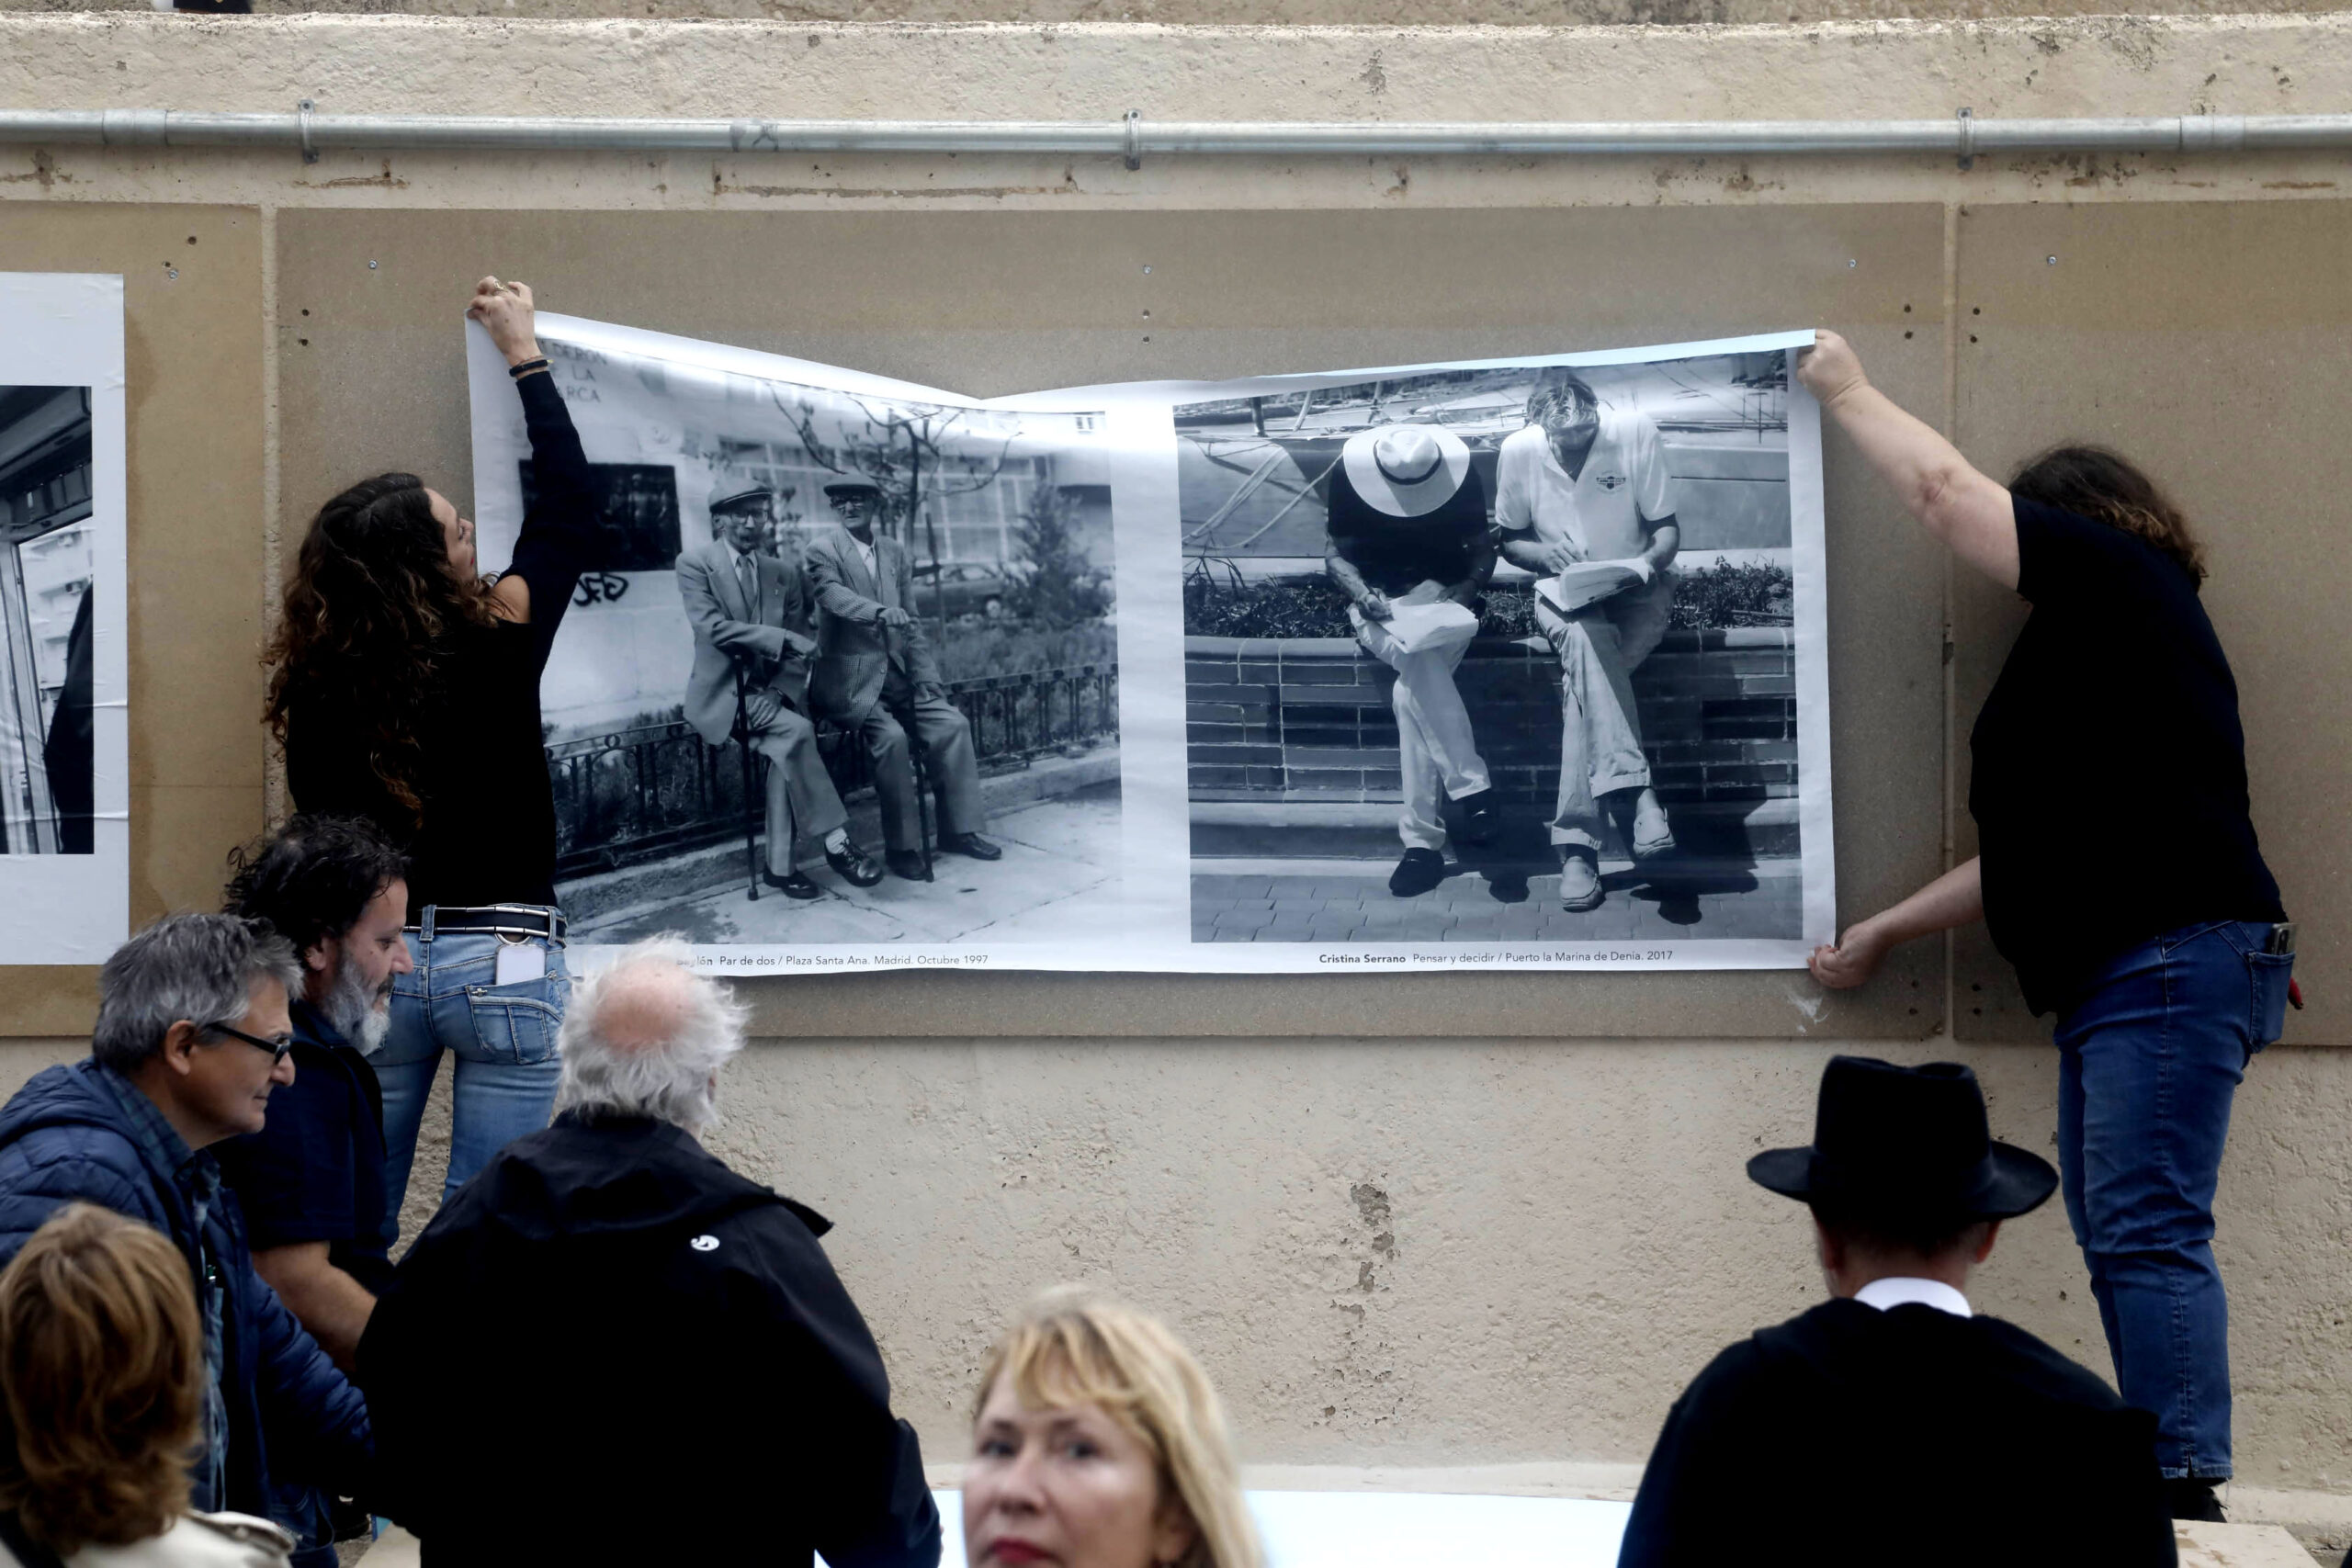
x: 1423, y: 629
x: 1589, y: 581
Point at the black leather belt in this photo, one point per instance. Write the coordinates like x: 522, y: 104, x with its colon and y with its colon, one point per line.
x: 501, y: 919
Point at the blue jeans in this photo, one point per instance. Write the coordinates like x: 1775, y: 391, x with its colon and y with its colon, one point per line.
x: 503, y: 1038
x: 2148, y: 1064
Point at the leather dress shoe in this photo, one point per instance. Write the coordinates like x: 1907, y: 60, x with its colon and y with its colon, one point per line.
x: 908, y: 864
x: 793, y: 886
x: 972, y: 844
x: 1478, y: 817
x: 854, y: 866
x: 1419, y: 871
x: 2191, y: 1497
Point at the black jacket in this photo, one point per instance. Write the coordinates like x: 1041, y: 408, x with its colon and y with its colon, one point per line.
x: 610, y: 1336
x: 1849, y: 1434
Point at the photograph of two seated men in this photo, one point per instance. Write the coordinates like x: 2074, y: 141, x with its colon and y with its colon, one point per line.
x: 1517, y: 646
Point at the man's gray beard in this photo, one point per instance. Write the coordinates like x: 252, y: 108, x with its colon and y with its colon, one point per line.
x: 351, y: 1007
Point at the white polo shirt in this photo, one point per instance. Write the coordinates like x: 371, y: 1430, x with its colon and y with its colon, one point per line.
x: 1607, y: 511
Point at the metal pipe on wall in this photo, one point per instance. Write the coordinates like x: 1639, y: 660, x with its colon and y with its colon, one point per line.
x: 1962, y: 137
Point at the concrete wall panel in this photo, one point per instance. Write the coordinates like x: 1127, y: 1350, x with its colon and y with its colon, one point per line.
x: 192, y: 279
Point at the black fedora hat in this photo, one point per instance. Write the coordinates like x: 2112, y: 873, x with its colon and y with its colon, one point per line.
x: 1907, y: 1143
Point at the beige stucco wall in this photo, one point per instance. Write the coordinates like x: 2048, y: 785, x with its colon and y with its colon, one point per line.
x: 1425, y: 1255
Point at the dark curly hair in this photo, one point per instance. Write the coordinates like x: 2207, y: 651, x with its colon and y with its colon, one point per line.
x: 369, y: 615
x: 2106, y: 487
x: 313, y: 878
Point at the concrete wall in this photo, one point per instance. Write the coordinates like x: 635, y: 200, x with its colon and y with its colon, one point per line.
x: 1422, y: 1253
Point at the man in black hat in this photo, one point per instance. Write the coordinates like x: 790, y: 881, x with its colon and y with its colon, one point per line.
x: 1408, y: 533
x: 752, y: 641
x: 876, y: 676
x: 1892, y: 1423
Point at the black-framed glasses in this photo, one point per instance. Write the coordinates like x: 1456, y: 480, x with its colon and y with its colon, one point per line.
x: 276, y: 1048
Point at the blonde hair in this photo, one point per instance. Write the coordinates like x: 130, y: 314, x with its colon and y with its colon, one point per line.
x: 1073, y: 1348
x: 102, y: 1360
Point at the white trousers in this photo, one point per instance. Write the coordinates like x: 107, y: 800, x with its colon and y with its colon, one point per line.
x: 1438, y: 760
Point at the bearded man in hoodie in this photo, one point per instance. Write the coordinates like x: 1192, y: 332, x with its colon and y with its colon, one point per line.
x: 695, y: 1386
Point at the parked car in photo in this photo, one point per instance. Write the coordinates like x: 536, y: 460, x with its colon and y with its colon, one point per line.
x: 956, y: 588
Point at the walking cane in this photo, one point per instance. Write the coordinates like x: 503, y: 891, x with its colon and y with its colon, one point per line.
x: 918, y: 765
x: 920, y: 754
x: 750, y: 789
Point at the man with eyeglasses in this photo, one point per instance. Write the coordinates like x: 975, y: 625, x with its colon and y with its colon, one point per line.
x: 193, y: 1035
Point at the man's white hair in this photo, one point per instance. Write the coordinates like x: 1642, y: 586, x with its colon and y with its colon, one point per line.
x: 646, y: 1036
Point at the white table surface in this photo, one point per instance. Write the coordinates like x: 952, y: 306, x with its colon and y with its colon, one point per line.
x: 1407, y: 1529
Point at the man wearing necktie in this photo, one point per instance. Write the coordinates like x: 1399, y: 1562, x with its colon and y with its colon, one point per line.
x: 876, y: 675
x: 749, y: 614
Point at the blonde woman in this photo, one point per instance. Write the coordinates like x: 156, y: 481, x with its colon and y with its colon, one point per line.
x: 102, y: 1359
x: 1098, y: 1443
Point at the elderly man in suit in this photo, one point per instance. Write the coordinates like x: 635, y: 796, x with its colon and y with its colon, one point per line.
x: 750, y: 614
x: 876, y: 675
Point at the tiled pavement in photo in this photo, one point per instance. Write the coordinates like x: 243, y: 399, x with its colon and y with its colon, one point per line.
x: 1350, y: 902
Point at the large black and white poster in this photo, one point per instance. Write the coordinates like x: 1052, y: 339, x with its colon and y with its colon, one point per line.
x: 1496, y: 662
x: 64, y: 784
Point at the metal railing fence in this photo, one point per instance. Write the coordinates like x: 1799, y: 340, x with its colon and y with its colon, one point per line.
x: 648, y: 790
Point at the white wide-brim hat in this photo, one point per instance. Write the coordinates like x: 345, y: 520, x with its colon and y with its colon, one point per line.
x: 1406, y: 471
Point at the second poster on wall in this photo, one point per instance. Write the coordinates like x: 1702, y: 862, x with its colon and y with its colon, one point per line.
x: 1499, y: 662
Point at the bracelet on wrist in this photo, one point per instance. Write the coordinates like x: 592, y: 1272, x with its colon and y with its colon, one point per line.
x: 528, y: 367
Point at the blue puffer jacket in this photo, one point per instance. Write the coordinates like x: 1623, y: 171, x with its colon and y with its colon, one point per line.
x: 291, y: 1415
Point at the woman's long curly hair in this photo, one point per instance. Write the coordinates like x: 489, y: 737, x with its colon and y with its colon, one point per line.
x: 101, y: 1381
x: 2102, y: 484
x: 368, y: 616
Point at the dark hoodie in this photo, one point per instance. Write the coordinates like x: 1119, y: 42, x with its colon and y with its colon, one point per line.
x: 611, y: 1341
x: 1849, y: 1434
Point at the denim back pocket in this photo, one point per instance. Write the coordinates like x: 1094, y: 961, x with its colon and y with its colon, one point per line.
x: 2266, y: 1018
x: 517, y: 1023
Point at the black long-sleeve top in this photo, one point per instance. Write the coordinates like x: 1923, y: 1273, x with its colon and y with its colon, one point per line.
x: 485, y: 832
x: 2118, y: 699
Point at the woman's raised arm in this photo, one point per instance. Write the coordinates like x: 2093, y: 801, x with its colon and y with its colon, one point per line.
x: 1961, y: 507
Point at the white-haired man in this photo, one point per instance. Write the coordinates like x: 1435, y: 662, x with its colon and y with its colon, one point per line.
x: 696, y: 1386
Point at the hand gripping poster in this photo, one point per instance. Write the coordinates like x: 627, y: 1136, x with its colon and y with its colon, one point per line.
x: 1512, y: 663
